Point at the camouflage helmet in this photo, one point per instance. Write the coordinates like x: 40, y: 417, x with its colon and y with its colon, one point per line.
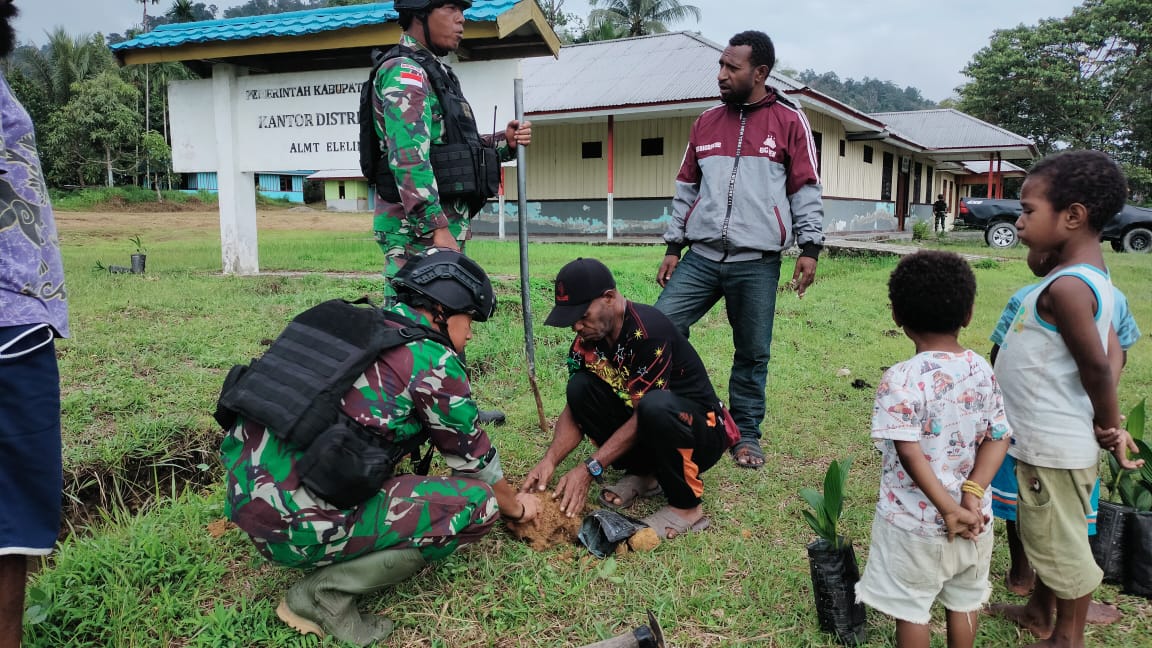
x: 450, y: 279
x: 424, y: 5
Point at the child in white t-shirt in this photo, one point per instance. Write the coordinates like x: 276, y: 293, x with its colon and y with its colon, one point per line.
x: 940, y: 426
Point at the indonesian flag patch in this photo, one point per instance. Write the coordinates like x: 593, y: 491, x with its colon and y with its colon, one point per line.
x: 411, y: 74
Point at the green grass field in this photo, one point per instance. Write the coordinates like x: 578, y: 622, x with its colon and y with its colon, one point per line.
x: 148, y: 355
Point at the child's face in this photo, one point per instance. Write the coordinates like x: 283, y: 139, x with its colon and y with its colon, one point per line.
x: 1040, y: 226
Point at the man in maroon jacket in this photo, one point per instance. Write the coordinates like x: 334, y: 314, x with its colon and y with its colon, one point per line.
x: 748, y: 190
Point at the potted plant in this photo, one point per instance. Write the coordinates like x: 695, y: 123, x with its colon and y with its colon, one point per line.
x: 832, y: 561
x: 139, y: 257
x: 1135, y: 488
x: 1110, y: 545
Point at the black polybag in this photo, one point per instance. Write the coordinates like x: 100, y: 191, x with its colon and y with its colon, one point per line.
x: 1138, y: 554
x: 834, y: 577
x: 603, y: 529
x: 1108, y: 544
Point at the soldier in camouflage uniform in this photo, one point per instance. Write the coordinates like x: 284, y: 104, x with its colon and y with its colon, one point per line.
x: 409, y: 119
x: 412, y: 519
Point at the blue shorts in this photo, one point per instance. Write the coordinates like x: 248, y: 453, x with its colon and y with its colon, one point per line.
x: 1004, y: 490
x: 31, y: 475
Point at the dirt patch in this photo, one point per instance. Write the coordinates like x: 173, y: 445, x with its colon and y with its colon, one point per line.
x: 173, y: 224
x: 551, y: 528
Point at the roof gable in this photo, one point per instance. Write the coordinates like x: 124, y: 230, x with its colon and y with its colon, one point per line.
x: 946, y: 128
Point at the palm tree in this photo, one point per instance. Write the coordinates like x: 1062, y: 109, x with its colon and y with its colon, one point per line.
x: 181, y: 11
x: 640, y: 17
x: 63, y: 61
x: 144, y: 20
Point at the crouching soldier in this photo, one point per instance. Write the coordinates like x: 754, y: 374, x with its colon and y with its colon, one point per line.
x: 409, y: 393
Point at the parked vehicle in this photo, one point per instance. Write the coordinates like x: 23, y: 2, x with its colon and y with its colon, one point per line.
x: 996, y: 216
x: 1129, y: 231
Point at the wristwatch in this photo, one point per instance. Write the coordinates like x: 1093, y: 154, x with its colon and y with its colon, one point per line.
x: 595, y: 469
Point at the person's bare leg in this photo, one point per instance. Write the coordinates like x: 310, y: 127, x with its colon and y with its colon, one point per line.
x: 962, y: 629
x: 1071, y: 616
x: 912, y: 635
x: 13, y: 572
x: 1034, y: 616
x: 1021, y: 578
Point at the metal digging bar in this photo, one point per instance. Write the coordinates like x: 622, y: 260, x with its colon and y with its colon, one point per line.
x: 649, y: 636
x: 525, y: 293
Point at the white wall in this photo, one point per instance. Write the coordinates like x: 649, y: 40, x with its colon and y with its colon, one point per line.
x: 308, y: 120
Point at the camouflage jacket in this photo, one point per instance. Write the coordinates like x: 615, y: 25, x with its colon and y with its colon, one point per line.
x: 418, y: 386
x: 409, y: 120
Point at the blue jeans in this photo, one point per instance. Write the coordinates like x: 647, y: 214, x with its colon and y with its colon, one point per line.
x: 749, y: 292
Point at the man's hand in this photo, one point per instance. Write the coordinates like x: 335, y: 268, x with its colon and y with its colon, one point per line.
x: 804, y: 275
x: 962, y: 522
x: 538, y: 477
x: 518, y: 134
x: 667, y: 267
x: 572, y: 491
x: 1122, y: 444
x: 531, y: 506
x: 442, y: 237
x: 1107, y: 438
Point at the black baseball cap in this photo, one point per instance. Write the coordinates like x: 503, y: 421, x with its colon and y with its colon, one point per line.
x: 577, y: 284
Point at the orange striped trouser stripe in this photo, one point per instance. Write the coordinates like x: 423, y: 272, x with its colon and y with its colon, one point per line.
x: 692, y: 472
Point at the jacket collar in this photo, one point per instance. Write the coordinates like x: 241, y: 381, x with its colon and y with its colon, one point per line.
x: 768, y: 100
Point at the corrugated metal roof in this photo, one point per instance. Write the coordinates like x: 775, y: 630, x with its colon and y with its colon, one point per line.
x: 661, y: 68
x: 980, y: 167
x: 947, y: 129
x: 294, y: 23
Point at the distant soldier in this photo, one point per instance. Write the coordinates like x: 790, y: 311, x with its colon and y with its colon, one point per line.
x: 411, y: 390
x: 33, y: 313
x: 940, y: 210
x: 424, y: 124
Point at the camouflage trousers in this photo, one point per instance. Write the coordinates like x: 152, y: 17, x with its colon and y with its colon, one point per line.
x: 290, y: 526
x: 436, y: 515
x: 398, y: 247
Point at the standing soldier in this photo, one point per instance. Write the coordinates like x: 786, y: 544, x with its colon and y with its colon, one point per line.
x: 435, y: 171
x: 411, y: 390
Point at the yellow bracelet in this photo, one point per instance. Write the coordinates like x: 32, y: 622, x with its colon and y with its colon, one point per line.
x: 973, y: 488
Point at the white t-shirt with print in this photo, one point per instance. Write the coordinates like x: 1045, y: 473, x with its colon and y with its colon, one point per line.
x: 950, y: 403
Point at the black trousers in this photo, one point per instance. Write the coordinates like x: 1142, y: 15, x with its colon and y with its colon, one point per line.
x: 676, y: 439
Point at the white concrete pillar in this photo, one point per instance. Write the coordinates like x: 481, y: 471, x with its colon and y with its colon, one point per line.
x: 236, y: 190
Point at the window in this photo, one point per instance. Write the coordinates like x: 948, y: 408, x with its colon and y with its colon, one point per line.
x: 340, y: 190
x: 868, y: 155
x: 843, y: 146
x: 886, y: 175
x: 819, y: 140
x: 651, y: 146
x: 285, y: 183
x: 592, y: 150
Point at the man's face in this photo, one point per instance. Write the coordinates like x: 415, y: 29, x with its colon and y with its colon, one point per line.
x: 597, y: 322
x: 738, y: 77
x: 446, y: 27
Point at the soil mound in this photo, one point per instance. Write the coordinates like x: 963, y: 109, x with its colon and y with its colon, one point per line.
x: 551, y: 527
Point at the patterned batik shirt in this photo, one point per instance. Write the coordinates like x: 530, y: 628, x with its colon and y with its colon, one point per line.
x: 650, y: 354
x: 409, y: 120
x: 31, y: 271
x: 948, y: 402
x: 410, y: 388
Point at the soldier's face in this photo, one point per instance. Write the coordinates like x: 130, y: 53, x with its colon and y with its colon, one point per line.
x: 460, y: 330
x: 446, y: 27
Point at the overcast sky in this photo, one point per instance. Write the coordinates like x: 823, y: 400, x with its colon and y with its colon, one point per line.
x: 909, y: 42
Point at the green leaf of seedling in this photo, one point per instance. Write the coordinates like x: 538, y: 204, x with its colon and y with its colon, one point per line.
x: 818, y: 527
x: 1127, y: 488
x: 845, y: 464
x: 833, y: 492
x: 1135, y: 422
x: 814, y: 498
x: 1145, y: 470
x: 1143, y: 499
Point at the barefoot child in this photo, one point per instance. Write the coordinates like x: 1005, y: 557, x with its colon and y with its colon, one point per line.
x: 939, y: 423
x: 1060, y: 387
x: 1020, y: 578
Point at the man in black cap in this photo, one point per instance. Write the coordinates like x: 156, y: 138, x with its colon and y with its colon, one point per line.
x: 640, y: 393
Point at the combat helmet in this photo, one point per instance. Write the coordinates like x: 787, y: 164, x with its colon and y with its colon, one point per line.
x: 421, y: 5
x: 450, y: 279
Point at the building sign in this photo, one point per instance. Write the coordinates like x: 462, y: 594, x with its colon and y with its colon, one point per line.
x: 306, y: 120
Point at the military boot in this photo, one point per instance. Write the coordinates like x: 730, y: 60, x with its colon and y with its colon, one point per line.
x: 324, y: 602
